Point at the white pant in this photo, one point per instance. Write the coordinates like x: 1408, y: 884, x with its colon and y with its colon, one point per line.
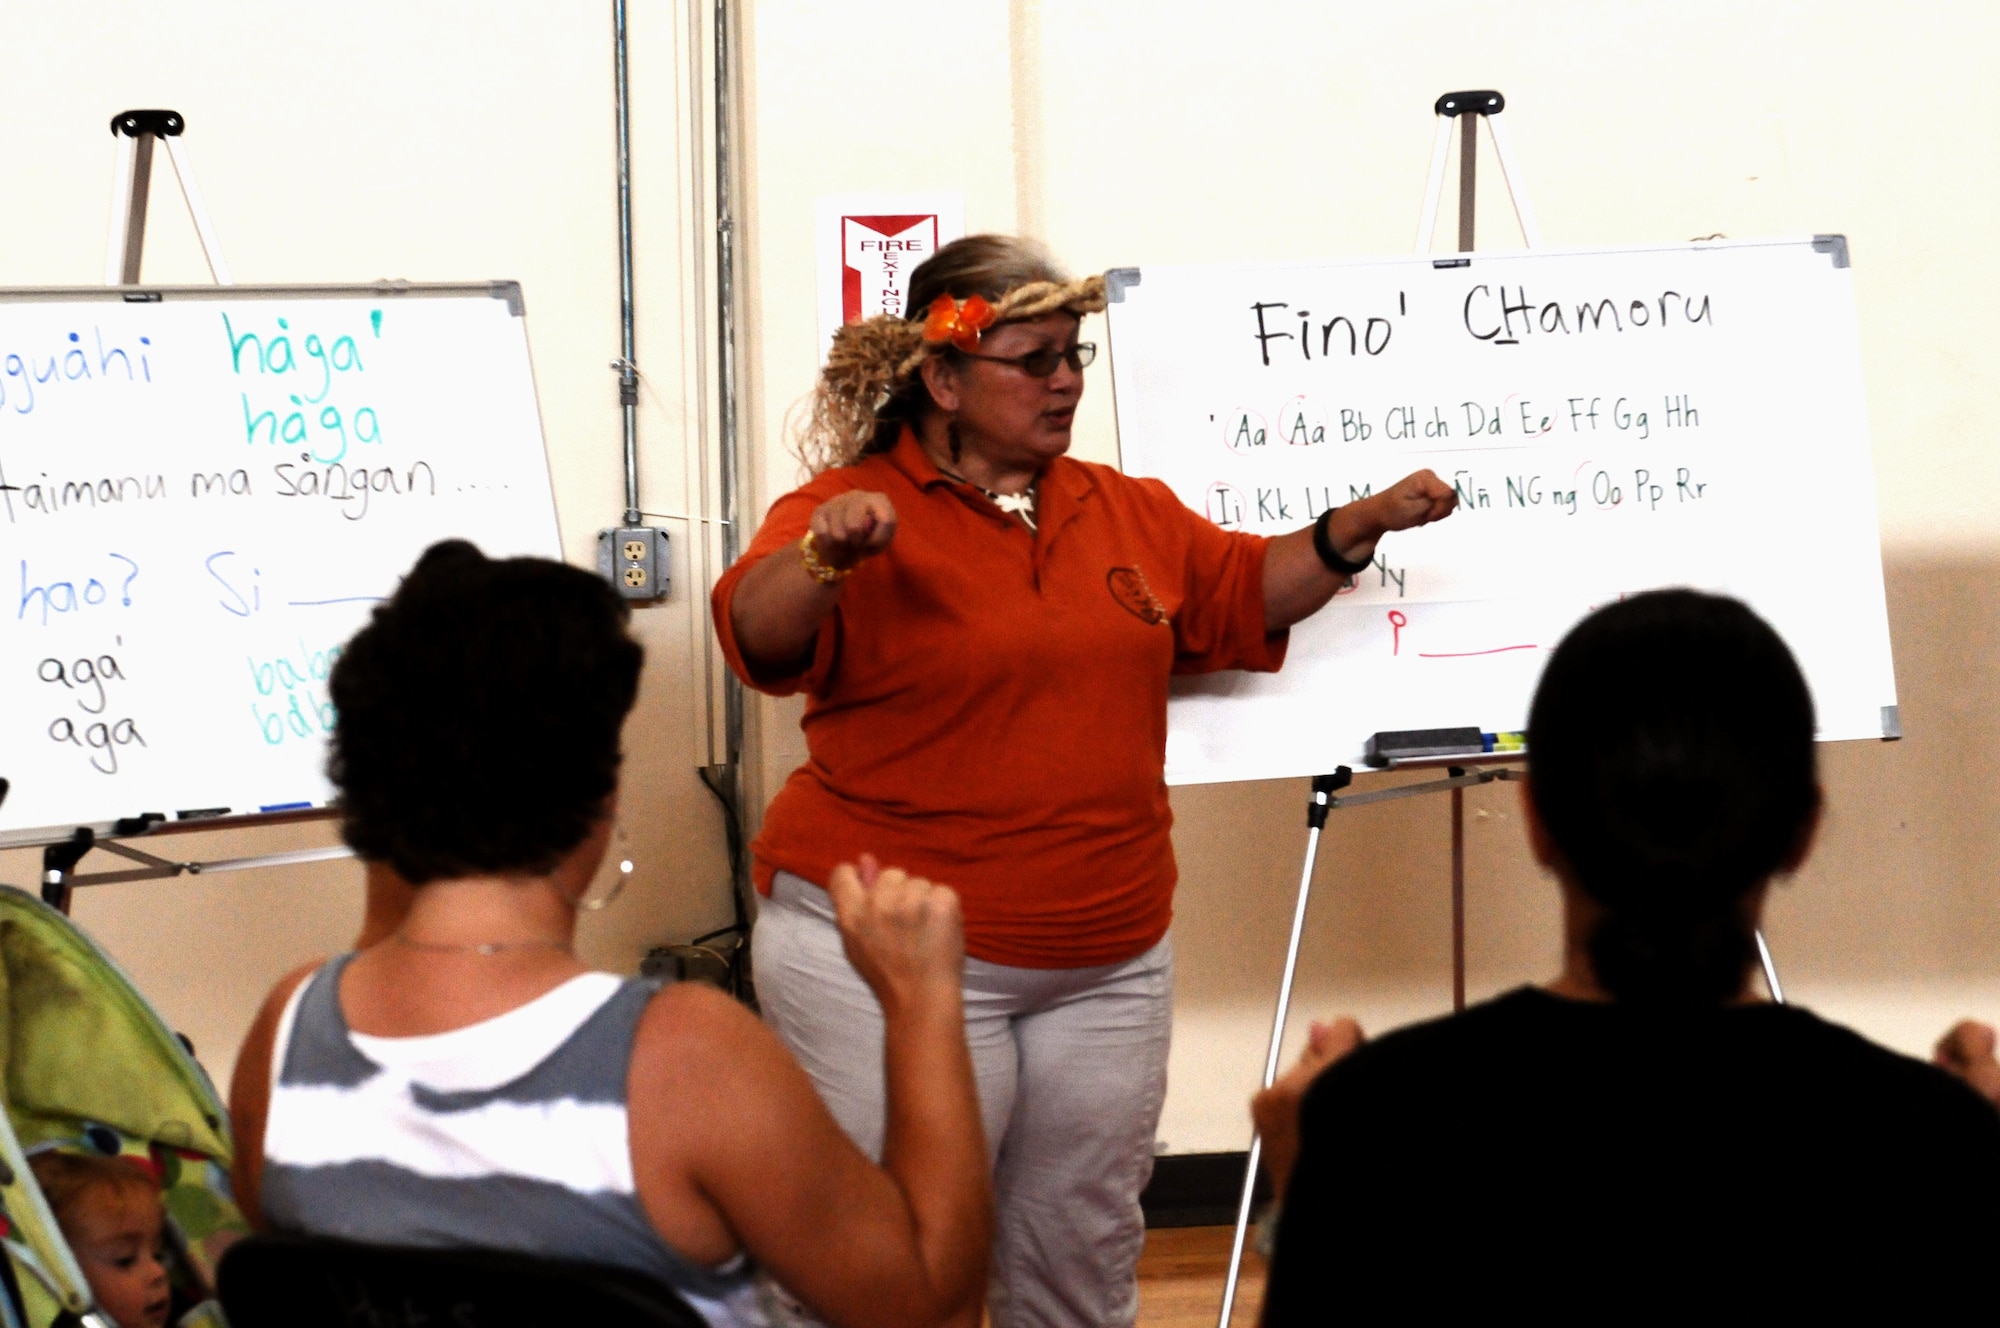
x: 1072, y: 1070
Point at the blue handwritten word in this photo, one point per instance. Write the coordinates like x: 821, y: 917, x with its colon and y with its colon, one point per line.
x: 68, y: 363
x: 64, y: 596
x: 235, y: 603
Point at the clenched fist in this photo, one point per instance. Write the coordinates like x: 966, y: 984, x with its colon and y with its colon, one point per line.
x: 1415, y: 500
x: 852, y: 526
x: 903, y: 935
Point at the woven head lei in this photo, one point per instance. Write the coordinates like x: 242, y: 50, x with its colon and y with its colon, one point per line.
x: 873, y: 359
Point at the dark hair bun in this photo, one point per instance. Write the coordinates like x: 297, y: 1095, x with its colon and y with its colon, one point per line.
x: 1671, y: 758
x: 479, y: 715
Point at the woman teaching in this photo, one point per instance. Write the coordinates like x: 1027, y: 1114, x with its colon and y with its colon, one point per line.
x: 985, y: 629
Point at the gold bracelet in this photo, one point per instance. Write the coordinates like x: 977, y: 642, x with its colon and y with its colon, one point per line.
x: 823, y: 572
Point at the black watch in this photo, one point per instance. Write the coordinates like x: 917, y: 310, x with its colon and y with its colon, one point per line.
x: 1323, y: 546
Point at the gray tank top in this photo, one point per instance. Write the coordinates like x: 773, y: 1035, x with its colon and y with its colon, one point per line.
x: 509, y: 1134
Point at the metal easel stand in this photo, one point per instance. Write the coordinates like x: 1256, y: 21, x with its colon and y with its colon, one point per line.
x: 60, y: 879
x: 1468, y: 109
x: 131, y: 188
x: 1322, y: 801
x: 137, y: 132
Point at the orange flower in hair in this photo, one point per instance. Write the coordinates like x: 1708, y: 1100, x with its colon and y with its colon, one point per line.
x: 960, y: 324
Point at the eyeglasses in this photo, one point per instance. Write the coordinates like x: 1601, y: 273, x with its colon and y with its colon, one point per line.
x: 1041, y: 363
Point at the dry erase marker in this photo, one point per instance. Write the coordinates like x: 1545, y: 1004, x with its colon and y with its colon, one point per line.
x: 200, y: 813
x: 286, y: 807
x: 1505, y: 742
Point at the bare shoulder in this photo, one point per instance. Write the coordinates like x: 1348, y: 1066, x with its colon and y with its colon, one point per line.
x: 711, y: 1085
x: 691, y: 1028
x: 253, y: 1061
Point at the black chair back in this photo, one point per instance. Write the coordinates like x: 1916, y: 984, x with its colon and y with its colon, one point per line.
x: 301, y: 1282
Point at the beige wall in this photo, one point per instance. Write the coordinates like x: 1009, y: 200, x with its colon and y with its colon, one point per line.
x: 1126, y: 132
x: 441, y: 140
x: 449, y: 140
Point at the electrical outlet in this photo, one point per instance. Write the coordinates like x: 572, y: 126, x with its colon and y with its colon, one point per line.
x: 634, y: 560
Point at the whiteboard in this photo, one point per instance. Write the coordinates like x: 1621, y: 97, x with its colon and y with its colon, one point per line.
x: 203, y: 492
x: 1613, y: 419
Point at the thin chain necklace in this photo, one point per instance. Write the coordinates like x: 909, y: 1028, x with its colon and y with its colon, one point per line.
x: 1020, y: 504
x: 480, y: 947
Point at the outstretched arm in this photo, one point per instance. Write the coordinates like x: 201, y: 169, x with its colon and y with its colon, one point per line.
x: 730, y: 1141
x: 779, y: 605
x: 1297, y: 584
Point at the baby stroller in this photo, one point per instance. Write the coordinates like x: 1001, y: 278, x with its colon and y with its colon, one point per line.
x: 86, y: 1065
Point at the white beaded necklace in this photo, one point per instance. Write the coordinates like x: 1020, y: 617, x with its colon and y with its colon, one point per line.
x: 1020, y: 504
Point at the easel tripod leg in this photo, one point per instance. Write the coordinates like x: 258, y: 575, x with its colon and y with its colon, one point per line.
x: 1457, y: 896
x: 1271, y: 1058
x: 1770, y: 968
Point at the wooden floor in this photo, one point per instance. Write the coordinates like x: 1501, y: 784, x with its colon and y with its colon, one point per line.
x: 1181, y: 1276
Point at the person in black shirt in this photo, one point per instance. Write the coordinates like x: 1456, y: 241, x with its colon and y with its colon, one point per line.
x: 1641, y: 1137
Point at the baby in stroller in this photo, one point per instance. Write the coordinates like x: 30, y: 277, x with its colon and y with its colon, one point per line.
x: 109, y: 1211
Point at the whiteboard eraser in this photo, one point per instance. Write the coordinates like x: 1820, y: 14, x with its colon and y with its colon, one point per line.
x: 1408, y: 744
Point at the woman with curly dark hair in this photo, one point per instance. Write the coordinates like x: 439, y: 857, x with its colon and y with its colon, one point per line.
x: 466, y: 1081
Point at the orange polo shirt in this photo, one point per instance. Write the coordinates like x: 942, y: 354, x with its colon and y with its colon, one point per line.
x: 987, y: 705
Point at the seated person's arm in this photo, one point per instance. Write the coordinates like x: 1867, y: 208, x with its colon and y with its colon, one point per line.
x: 1276, y: 1109
x: 250, y: 1096
x: 728, y: 1129
x: 1967, y: 1051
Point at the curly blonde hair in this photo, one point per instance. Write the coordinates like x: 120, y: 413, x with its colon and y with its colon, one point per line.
x: 870, y: 385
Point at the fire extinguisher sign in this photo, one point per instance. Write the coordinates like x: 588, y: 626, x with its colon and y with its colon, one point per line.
x: 868, y: 246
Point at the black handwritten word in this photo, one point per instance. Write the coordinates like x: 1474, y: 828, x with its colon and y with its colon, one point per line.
x: 103, y: 738
x: 48, y: 497
x: 67, y: 364
x: 352, y: 485
x: 1372, y: 337
x: 1504, y: 321
x: 1528, y: 491
x: 1401, y: 422
x: 1603, y: 490
x: 86, y: 676
x: 1583, y: 415
x: 236, y: 482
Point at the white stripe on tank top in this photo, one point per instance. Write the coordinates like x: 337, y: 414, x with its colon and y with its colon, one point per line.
x: 510, y: 1133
